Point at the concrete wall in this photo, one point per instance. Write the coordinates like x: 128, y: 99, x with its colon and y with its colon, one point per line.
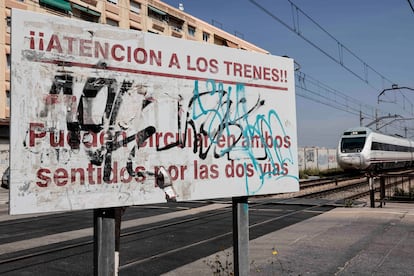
x: 317, y: 158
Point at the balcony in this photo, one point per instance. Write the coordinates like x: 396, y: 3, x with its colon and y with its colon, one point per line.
x: 135, y: 17
x: 113, y: 8
x: 158, y: 25
x: 85, y: 13
x: 176, y: 32
x: 90, y: 2
x: 15, y: 4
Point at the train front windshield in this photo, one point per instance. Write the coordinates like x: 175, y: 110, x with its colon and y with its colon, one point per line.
x: 354, y: 144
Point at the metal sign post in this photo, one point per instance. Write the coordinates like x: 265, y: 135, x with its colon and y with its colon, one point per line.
x: 240, y: 235
x: 371, y: 191
x: 104, y: 241
x: 118, y: 217
x: 382, y: 191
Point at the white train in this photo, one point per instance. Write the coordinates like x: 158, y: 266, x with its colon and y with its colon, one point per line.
x: 363, y: 149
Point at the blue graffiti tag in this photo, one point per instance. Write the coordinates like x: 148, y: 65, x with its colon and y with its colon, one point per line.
x: 232, y: 112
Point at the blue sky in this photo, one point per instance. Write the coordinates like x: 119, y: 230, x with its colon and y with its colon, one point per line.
x: 373, y: 38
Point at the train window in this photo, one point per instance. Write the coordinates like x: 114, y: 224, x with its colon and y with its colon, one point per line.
x: 389, y: 147
x: 376, y: 146
x: 352, y: 144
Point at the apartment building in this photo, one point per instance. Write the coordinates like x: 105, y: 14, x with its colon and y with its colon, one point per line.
x: 143, y: 15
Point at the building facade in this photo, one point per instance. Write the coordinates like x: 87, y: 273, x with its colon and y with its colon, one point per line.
x: 143, y: 15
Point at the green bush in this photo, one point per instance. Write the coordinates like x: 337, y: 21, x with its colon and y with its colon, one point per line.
x: 304, y: 174
x: 398, y: 192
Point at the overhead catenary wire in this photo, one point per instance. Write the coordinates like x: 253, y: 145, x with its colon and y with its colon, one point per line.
x: 330, y: 97
x: 296, y: 30
x: 411, y: 5
x: 324, y: 98
x: 314, y: 90
x: 297, y: 14
x: 341, y: 51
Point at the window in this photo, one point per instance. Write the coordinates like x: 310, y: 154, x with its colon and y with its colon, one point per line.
x: 157, y: 14
x: 355, y: 144
x: 112, y: 22
x: 219, y: 41
x: 8, y: 61
x: 115, y: 2
x: 191, y: 30
x: 206, y: 36
x: 135, y: 7
x: 8, y: 98
x: 8, y: 22
x: 175, y: 23
x: 135, y: 29
x: 85, y: 13
x: 389, y: 147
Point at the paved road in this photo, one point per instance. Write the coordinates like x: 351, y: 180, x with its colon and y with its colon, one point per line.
x: 156, y: 239
x: 342, y: 241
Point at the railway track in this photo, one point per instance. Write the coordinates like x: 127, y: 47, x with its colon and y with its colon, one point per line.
x: 323, y: 187
x: 346, y: 188
x: 147, y: 248
x: 151, y: 244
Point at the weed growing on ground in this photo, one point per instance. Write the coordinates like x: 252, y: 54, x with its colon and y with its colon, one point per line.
x: 224, y: 267
x: 221, y: 267
x: 348, y: 203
